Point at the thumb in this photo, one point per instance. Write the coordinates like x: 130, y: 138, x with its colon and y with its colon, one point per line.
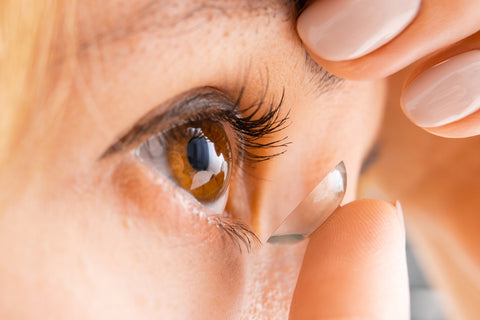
x: 355, y: 266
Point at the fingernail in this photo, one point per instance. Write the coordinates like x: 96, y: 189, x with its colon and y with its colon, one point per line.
x: 445, y: 93
x: 399, y: 208
x: 343, y: 30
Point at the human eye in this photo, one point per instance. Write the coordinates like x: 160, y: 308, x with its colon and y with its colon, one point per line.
x: 202, y: 142
x: 195, y: 154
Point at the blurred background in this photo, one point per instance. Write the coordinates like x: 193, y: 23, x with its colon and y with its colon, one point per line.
x: 424, y: 300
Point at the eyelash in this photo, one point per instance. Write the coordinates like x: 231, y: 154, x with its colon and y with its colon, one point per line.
x: 237, y: 232
x: 252, y: 128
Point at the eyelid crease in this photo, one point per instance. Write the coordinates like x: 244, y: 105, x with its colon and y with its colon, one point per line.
x: 259, y: 120
x: 254, y: 122
x: 158, y: 119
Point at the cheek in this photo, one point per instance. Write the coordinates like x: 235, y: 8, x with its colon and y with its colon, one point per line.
x: 101, y: 254
x: 185, y: 262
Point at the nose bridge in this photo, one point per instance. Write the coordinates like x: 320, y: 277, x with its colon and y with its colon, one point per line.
x: 289, y: 181
x: 278, y: 195
x: 272, y: 276
x: 272, y: 270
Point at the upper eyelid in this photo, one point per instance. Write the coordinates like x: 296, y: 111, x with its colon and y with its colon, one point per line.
x: 209, y: 100
x: 177, y: 109
x: 257, y: 125
x: 196, y: 100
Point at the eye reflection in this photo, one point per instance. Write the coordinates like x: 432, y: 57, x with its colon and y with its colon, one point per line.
x: 196, y: 155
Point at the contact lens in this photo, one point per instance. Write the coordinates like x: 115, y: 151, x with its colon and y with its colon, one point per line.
x: 312, y: 212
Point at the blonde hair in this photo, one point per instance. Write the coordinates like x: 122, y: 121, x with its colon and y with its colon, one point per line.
x: 29, y: 32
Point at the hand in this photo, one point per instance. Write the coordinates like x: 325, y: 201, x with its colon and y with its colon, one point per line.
x: 370, y: 39
x: 355, y: 266
x: 436, y: 179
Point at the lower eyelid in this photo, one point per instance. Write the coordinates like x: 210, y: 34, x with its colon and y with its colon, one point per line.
x: 142, y: 196
x: 168, y: 209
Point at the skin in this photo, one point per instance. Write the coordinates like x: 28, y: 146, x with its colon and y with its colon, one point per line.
x: 87, y: 238
x: 82, y: 238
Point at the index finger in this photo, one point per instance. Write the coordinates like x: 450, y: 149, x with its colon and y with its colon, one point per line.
x: 355, y: 266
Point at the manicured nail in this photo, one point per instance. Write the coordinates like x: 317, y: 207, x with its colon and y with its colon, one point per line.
x: 445, y: 93
x: 347, y: 29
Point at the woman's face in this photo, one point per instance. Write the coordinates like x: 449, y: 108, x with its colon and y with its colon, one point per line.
x: 96, y: 231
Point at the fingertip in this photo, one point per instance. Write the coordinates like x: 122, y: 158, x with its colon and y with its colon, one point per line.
x: 444, y: 99
x: 374, y: 222
x: 355, y: 266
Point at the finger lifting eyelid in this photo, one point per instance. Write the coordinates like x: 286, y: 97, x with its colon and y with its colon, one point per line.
x: 312, y: 212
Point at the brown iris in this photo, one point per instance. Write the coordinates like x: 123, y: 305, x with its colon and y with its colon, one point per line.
x: 199, y: 157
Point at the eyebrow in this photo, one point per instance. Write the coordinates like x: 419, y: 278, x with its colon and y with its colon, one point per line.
x: 160, y: 15
x: 153, y: 16
x: 321, y: 78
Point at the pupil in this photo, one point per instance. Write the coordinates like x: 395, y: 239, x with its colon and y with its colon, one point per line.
x: 197, y: 153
